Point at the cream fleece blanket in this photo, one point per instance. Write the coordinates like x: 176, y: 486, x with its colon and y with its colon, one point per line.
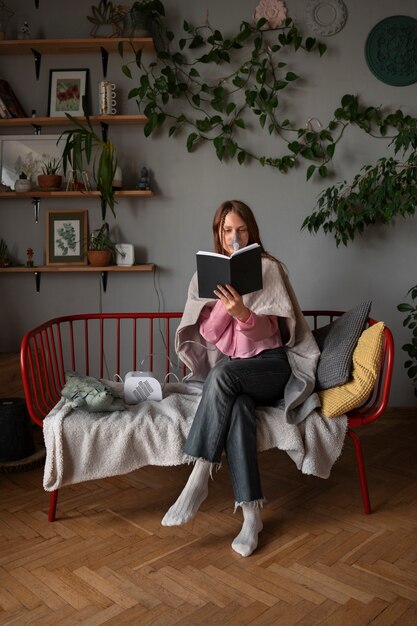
x: 84, y: 446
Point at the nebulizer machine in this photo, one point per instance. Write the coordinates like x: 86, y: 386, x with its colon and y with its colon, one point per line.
x: 140, y: 386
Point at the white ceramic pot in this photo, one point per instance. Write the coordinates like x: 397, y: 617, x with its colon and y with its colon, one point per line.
x: 23, y: 184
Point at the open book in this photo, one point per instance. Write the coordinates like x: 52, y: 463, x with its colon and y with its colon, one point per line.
x: 242, y: 269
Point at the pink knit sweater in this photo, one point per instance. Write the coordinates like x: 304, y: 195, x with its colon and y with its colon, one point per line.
x: 239, y: 339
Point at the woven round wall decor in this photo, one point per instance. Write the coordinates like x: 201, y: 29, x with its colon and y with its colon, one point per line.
x: 391, y: 50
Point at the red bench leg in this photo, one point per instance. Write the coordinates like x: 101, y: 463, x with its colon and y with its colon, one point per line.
x: 52, y: 506
x: 361, y: 469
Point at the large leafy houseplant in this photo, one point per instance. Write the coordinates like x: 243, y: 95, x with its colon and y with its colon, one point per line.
x: 411, y: 347
x: 83, y: 144
x: 379, y: 192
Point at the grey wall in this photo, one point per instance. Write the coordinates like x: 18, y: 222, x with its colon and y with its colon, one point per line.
x: 170, y: 227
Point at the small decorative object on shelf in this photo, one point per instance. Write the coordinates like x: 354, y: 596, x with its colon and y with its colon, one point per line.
x: 24, y: 31
x: 78, y: 180
x: 4, y: 254
x: 29, y: 255
x: 143, y: 182
x: 125, y: 254
x: 107, y: 14
x: 25, y: 168
x: 107, y: 98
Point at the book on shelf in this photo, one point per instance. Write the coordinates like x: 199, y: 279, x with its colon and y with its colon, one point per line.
x: 9, y: 100
x: 242, y: 269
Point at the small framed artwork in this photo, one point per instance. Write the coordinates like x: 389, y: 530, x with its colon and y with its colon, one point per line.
x: 67, y: 92
x: 66, y: 237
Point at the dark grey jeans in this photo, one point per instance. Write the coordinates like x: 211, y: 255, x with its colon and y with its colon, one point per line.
x: 226, y: 419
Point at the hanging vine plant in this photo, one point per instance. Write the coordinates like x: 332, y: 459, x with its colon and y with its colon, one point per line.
x: 175, y: 92
x: 379, y: 192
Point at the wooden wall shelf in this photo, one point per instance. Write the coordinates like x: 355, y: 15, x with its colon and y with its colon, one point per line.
x: 38, y: 270
x: 147, y: 267
x: 71, y: 46
x: 37, y: 193
x: 111, y: 120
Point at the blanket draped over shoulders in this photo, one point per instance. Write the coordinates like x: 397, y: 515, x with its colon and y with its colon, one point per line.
x: 276, y: 298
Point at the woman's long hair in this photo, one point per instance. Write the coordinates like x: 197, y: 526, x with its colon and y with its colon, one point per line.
x: 242, y: 209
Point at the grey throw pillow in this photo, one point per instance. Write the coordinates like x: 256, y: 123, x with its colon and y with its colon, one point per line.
x: 337, y: 342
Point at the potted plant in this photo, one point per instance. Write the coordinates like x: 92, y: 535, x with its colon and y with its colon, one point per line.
x: 101, y: 248
x: 139, y: 21
x: 50, y: 179
x: 83, y: 144
x: 25, y: 168
x: 4, y: 254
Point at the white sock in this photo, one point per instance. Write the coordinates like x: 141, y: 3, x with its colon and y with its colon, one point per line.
x: 247, y: 540
x: 191, y: 497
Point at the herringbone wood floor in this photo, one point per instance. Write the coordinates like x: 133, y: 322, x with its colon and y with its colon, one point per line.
x: 107, y: 560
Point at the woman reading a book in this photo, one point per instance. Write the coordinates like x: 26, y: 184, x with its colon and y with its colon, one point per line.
x: 242, y: 347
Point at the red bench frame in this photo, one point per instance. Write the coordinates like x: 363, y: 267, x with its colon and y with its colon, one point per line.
x: 70, y: 343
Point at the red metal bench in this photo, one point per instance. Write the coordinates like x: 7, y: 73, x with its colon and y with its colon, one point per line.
x: 102, y: 344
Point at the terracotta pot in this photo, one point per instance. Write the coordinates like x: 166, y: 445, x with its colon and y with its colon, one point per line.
x: 49, y: 181
x: 99, y: 258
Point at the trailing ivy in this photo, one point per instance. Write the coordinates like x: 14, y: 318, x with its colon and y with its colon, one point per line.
x: 411, y: 348
x: 379, y: 192
x: 175, y: 92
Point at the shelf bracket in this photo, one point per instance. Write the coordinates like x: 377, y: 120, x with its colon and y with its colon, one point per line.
x: 36, y: 205
x: 38, y: 281
x: 104, y: 276
x: 37, y: 56
x: 103, y: 208
x: 37, y: 4
x: 104, y: 60
x: 104, y: 131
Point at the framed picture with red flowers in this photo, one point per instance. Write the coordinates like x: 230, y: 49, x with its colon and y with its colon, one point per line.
x: 67, y: 92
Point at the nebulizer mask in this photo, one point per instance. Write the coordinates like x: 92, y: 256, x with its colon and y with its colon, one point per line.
x: 236, y: 242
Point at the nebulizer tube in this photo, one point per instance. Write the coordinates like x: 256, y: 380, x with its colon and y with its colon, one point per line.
x: 235, y: 244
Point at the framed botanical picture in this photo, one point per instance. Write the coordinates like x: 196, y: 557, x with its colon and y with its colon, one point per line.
x: 67, y: 92
x: 66, y: 237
